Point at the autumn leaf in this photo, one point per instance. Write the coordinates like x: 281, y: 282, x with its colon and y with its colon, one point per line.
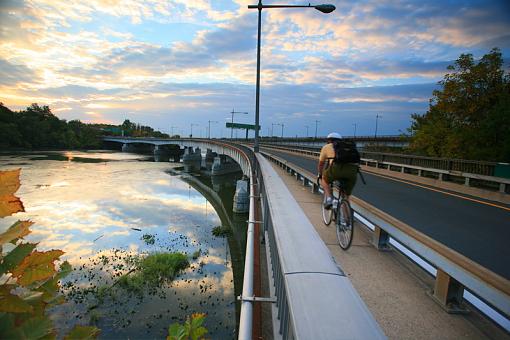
x: 17, y: 230
x: 9, y: 205
x: 10, y: 303
x: 36, y: 266
x: 9, y: 182
x: 15, y: 256
x: 36, y: 328
x: 82, y: 332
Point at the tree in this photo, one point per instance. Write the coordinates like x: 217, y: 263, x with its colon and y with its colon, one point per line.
x: 469, y: 116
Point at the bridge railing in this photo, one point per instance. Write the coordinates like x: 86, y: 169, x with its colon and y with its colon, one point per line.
x: 454, y: 271
x: 437, y: 168
x: 314, y: 299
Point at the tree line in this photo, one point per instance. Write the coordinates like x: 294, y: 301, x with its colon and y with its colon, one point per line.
x: 469, y: 115
x: 38, y: 128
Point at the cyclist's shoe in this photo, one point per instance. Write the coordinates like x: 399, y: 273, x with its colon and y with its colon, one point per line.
x: 328, y: 203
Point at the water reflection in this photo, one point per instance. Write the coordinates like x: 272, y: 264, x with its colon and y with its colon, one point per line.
x: 96, y: 205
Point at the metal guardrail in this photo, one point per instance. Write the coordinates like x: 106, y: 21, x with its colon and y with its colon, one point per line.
x: 469, y: 179
x: 462, y: 165
x: 485, y: 284
x: 314, y: 299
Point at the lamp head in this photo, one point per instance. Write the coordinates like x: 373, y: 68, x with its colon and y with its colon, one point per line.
x: 326, y: 8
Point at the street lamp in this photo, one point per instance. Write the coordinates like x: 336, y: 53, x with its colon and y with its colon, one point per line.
x: 232, y: 128
x: 306, y: 126
x: 209, y: 131
x: 172, y: 131
x: 191, y: 132
x: 316, y: 124
x: 354, y: 129
x: 376, y: 118
x: 325, y: 8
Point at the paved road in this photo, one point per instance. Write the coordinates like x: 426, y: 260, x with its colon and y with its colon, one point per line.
x: 481, y: 232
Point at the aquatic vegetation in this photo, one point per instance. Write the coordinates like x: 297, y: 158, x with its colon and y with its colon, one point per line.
x: 149, y: 239
x: 153, y: 269
x: 222, y: 231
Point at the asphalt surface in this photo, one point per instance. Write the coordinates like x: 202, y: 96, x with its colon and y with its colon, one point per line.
x: 478, y: 231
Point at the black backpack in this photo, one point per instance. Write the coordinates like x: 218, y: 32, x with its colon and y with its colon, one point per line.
x: 346, y: 151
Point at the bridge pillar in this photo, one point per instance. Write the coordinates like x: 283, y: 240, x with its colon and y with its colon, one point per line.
x: 381, y: 239
x: 448, y: 293
x: 241, y: 197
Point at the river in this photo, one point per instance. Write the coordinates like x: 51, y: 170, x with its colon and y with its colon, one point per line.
x: 105, y: 209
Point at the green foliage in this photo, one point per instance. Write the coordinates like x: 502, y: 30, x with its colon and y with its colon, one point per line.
x: 30, y: 280
x: 37, y: 128
x: 469, y: 117
x: 153, y: 269
x: 83, y: 333
x: 191, y: 329
x: 222, y: 231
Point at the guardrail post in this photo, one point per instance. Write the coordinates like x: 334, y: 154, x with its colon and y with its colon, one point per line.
x: 502, y: 187
x: 381, y: 239
x: 448, y: 293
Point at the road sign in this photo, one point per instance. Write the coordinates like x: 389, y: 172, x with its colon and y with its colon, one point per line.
x: 241, y: 126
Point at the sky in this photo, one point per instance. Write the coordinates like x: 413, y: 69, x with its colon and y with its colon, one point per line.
x: 169, y: 64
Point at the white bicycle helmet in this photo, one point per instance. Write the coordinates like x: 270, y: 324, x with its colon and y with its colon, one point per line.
x: 334, y: 135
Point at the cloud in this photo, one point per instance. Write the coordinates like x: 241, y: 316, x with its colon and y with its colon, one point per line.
x: 12, y: 75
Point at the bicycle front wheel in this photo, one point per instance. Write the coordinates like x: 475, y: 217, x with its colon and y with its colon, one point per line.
x: 345, y: 225
x: 327, y: 215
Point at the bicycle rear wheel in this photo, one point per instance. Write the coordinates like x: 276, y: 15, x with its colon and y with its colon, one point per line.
x: 327, y: 215
x: 345, y: 225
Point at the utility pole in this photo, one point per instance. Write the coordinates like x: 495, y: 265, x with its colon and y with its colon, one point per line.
x: 272, y: 126
x: 316, y: 123
x: 282, y: 130
x: 306, y: 126
x: 354, y: 129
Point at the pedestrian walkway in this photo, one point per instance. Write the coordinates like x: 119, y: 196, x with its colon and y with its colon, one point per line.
x: 393, y: 288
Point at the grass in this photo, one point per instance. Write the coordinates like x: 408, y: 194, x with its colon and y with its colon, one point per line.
x: 153, y: 270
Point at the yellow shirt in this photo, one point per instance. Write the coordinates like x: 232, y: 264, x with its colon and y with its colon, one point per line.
x: 327, y: 151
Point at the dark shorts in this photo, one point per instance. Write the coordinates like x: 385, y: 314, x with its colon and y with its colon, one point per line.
x: 342, y: 172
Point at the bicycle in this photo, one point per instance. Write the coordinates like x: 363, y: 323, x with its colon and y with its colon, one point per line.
x: 341, y: 213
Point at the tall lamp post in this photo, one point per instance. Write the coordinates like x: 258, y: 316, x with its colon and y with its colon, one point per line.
x: 232, y: 128
x: 376, y: 118
x: 191, y: 132
x: 316, y: 124
x: 209, y: 130
x: 259, y: 6
x: 172, y: 130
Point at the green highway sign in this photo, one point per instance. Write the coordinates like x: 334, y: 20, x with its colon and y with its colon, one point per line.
x: 241, y: 126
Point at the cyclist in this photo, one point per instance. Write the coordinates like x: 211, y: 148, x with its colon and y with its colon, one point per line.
x: 331, y: 169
